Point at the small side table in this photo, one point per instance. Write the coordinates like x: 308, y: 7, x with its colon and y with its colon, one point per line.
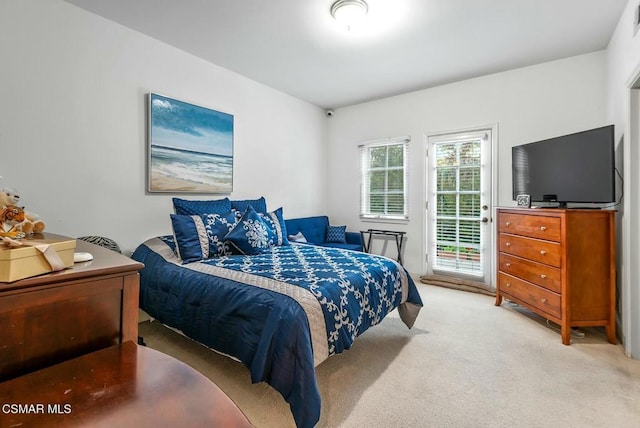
x: 125, y: 385
x: 399, y: 237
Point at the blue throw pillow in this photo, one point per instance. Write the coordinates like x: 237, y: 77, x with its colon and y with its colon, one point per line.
x: 337, y: 234
x: 251, y: 235
x: 200, y: 237
x: 217, y: 226
x: 190, y: 235
x: 260, y: 205
x: 188, y: 207
x: 275, y: 220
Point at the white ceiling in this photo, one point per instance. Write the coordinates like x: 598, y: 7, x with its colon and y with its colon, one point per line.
x: 296, y: 46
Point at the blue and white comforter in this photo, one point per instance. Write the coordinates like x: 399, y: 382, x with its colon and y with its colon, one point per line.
x: 281, y: 312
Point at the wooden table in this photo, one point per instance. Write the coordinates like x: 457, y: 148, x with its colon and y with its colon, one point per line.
x: 121, y: 386
x: 54, y: 317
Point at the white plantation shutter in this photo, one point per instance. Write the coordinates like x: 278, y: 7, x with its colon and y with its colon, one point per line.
x: 383, y: 179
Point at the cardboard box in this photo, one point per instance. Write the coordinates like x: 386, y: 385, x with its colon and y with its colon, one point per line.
x: 26, y: 261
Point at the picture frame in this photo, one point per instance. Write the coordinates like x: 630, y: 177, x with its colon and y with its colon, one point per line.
x: 523, y: 201
x: 190, y: 148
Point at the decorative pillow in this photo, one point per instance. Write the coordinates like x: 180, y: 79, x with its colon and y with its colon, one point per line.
x: 298, y: 237
x: 217, y: 226
x: 188, y: 207
x: 275, y: 220
x: 102, y: 241
x: 251, y: 234
x: 190, y: 236
x: 199, y: 237
x: 336, y: 234
x: 260, y: 205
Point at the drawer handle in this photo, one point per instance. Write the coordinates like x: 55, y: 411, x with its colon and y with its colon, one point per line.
x: 543, y: 252
x: 508, y: 284
x: 543, y: 228
x: 507, y: 264
x: 508, y: 244
x: 543, y: 300
x: 508, y: 223
x: 543, y: 276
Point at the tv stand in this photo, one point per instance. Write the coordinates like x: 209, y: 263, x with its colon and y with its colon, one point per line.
x: 560, y: 264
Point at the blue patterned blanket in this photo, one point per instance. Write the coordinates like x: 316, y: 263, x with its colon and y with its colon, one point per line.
x: 281, y: 312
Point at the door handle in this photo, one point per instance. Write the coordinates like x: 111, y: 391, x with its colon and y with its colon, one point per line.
x: 485, y: 220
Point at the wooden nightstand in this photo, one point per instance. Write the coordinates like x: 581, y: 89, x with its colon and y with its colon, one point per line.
x: 55, y: 317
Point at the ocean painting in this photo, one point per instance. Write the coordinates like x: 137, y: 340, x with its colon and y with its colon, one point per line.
x: 190, y: 147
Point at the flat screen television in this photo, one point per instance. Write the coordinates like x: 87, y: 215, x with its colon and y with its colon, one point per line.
x: 575, y: 168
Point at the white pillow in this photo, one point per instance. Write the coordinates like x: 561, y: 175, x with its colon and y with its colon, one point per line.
x: 298, y: 237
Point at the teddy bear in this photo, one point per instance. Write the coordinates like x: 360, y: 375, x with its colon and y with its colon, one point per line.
x: 31, y: 223
x: 10, y: 218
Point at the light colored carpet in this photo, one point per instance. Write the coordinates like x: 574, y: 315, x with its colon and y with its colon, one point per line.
x: 466, y: 363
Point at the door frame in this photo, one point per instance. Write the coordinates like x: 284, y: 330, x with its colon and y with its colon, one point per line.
x: 630, y: 233
x: 494, y: 187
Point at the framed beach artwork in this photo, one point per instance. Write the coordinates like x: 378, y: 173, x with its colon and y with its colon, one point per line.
x: 190, y: 148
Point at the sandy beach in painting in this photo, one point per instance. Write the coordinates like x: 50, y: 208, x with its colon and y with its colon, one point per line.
x: 161, y: 183
x: 175, y: 170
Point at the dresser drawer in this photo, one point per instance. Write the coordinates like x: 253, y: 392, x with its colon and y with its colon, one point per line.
x: 534, y: 226
x: 538, y: 273
x: 530, y: 294
x: 537, y: 250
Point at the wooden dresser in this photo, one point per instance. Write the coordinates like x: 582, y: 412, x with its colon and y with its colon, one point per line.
x: 52, y: 318
x: 560, y: 263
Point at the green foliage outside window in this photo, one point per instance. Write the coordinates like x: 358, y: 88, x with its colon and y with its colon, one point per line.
x: 458, y: 197
x: 384, y: 174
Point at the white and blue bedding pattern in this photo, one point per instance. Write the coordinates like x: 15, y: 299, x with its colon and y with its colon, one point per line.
x: 280, y: 312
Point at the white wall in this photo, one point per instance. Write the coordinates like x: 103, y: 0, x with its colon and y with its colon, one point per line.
x: 73, y: 123
x: 527, y: 104
x: 623, y: 68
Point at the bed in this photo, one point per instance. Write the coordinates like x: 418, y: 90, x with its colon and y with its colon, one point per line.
x: 281, y: 312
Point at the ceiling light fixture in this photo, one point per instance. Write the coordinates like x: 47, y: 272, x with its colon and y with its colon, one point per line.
x: 349, y: 12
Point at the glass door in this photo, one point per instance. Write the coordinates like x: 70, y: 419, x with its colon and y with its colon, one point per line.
x: 459, y: 205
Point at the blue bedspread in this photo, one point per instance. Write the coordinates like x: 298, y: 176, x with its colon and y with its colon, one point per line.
x: 281, y: 312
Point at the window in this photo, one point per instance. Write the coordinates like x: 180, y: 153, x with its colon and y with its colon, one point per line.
x: 383, y: 179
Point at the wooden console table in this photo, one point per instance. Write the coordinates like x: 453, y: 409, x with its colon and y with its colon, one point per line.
x: 399, y: 237
x: 54, y: 317
x: 121, y: 386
